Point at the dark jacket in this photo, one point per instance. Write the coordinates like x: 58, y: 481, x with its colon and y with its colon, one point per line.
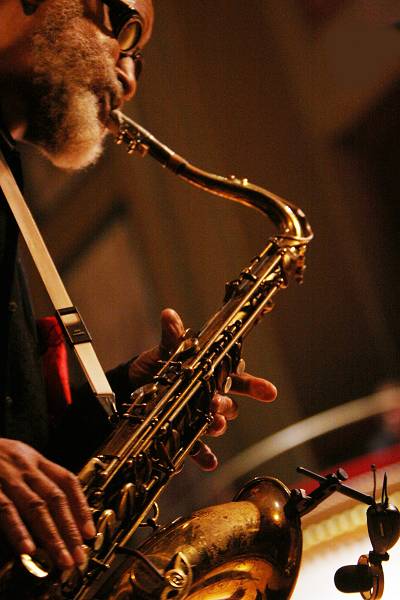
x: 23, y: 402
x: 22, y: 396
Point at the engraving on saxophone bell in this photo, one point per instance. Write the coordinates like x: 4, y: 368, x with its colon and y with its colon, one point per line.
x: 179, y: 578
x: 173, y: 582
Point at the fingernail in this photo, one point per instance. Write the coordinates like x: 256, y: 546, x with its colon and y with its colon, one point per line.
x: 209, y: 461
x: 274, y: 391
x: 79, y: 555
x: 89, y: 530
x: 65, y: 559
x: 267, y: 392
x: 210, y: 464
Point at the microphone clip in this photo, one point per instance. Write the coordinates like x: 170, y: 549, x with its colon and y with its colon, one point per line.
x: 383, y: 520
x: 373, y: 562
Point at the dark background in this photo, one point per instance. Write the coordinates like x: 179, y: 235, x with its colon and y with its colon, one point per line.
x: 303, y: 101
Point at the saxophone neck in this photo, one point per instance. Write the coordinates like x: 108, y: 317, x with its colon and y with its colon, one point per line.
x: 291, y: 222
x: 293, y: 226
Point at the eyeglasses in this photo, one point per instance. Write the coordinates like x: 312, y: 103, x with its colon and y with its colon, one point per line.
x: 137, y: 58
x: 127, y: 27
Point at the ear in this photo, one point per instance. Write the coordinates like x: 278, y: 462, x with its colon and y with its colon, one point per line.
x: 30, y: 6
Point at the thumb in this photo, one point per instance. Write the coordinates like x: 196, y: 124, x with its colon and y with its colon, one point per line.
x: 172, y: 330
x: 143, y: 368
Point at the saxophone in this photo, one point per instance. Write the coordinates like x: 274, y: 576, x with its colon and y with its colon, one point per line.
x: 246, y: 549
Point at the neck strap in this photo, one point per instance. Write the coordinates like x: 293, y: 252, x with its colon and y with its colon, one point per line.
x: 70, y: 319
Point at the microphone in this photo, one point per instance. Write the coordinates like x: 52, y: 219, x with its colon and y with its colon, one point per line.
x: 354, y: 578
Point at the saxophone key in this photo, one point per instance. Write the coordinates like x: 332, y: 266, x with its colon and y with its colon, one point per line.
x: 98, y: 542
x: 107, y: 525
x: 152, y: 521
x: 241, y: 367
x: 91, y: 469
x: 231, y: 287
x: 146, y: 487
x: 187, y: 348
x: 268, y: 307
x: 146, y: 391
x: 248, y: 276
x: 38, y: 566
x: 164, y: 462
x: 95, y: 562
x: 227, y: 385
x: 126, y: 503
x: 74, y: 573
x: 209, y: 418
x: 96, y: 499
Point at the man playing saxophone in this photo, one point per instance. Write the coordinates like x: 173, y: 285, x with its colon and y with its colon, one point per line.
x: 64, y: 65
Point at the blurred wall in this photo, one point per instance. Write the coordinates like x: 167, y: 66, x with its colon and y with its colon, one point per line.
x: 305, y: 106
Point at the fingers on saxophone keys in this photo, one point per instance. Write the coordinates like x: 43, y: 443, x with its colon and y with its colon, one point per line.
x: 33, y: 510
x: 13, y: 527
x: 61, y: 508
x: 44, y: 508
x: 204, y: 456
x: 225, y: 406
x: 255, y: 387
x: 70, y: 485
x: 172, y: 329
x: 51, y: 504
x: 224, y: 409
x: 218, y: 426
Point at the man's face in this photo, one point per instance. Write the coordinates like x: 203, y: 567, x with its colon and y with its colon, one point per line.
x: 76, y: 76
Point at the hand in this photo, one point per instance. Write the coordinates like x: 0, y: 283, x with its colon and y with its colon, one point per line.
x: 224, y: 408
x: 41, y: 502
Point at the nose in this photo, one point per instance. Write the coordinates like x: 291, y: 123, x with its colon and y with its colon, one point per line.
x: 126, y: 76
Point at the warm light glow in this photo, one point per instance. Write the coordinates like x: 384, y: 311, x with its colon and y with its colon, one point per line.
x: 344, y: 523
x: 276, y: 517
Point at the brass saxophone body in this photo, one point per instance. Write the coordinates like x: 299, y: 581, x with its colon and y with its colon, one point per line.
x: 249, y: 548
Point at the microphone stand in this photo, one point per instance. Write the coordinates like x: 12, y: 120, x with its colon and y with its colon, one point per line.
x: 383, y: 520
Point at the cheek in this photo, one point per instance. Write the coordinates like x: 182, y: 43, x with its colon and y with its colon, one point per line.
x: 94, y: 55
x: 93, y: 41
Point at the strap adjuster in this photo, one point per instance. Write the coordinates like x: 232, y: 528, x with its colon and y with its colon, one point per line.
x: 74, y: 328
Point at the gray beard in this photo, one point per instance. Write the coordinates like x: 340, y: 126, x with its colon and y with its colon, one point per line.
x: 73, y: 79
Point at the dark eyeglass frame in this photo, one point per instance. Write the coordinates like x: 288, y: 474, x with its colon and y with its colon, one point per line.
x: 137, y: 58
x: 121, y: 17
